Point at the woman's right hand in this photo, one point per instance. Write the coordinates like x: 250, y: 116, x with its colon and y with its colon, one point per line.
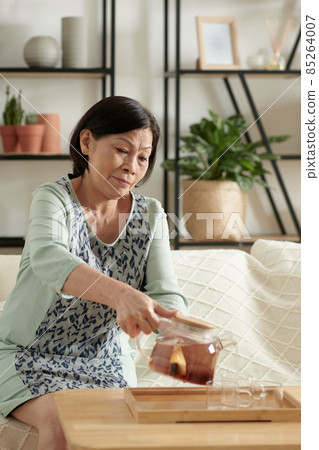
x: 137, y: 312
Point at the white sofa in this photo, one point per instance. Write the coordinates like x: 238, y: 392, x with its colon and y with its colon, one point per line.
x: 254, y: 295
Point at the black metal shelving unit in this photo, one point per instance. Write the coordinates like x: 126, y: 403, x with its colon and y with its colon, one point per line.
x: 177, y: 75
x: 104, y: 73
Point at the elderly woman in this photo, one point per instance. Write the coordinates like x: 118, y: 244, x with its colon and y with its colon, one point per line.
x: 95, y: 271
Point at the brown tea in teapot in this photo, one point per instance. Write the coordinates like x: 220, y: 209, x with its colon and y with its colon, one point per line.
x: 191, y: 362
x: 187, y: 348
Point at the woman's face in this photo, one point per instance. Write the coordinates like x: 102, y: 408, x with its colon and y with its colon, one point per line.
x: 117, y: 162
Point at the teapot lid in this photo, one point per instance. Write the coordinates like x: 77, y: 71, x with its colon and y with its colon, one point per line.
x: 193, y: 321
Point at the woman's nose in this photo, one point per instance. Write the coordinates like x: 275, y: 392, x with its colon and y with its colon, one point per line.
x: 129, y: 165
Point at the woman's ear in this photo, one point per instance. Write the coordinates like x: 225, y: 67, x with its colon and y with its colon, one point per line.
x: 85, y: 141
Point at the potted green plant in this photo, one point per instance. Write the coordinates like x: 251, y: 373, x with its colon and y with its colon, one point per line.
x: 30, y: 134
x: 12, y: 116
x: 222, y: 167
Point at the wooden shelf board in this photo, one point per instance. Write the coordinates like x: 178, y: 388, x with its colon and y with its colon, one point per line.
x: 22, y: 72
x: 234, y: 73
x: 33, y: 156
x: 226, y: 242
x: 7, y: 241
x: 18, y: 241
x: 289, y: 157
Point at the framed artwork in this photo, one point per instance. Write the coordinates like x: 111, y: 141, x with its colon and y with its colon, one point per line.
x: 217, y: 42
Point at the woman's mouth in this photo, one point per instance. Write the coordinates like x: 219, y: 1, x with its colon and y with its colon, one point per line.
x: 123, y: 182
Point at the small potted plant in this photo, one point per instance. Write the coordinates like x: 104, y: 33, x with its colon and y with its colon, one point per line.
x: 12, y: 116
x: 221, y: 167
x: 30, y: 134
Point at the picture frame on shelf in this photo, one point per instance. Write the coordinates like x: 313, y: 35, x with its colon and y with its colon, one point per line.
x: 217, y: 42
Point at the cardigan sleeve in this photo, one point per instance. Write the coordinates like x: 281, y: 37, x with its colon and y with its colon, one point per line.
x: 161, y: 282
x: 49, y: 233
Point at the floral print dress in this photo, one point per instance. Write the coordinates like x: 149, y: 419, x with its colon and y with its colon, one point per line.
x: 51, y: 341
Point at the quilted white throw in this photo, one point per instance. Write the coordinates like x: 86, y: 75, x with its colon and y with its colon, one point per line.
x: 256, y: 296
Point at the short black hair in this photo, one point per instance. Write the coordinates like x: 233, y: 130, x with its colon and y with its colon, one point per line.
x: 113, y: 115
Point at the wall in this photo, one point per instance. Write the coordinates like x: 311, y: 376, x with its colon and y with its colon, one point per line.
x: 139, y: 69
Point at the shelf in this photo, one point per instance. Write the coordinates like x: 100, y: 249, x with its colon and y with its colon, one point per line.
x: 225, y: 242
x: 19, y: 241
x: 290, y: 157
x: 233, y: 73
x: 178, y: 73
x: 33, y: 156
x: 44, y: 72
x: 12, y: 242
x: 104, y: 74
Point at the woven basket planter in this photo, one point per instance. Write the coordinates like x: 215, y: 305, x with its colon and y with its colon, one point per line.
x: 218, y: 210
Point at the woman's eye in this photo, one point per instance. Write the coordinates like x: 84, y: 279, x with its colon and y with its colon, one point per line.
x: 143, y: 159
x: 121, y: 150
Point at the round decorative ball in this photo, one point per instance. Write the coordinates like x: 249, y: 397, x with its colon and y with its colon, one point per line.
x: 41, y: 51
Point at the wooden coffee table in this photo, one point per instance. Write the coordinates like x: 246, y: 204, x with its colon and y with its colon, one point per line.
x: 100, y: 419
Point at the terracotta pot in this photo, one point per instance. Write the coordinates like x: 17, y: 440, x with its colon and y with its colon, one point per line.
x: 10, y: 140
x: 217, y: 208
x: 30, y: 137
x: 51, y: 140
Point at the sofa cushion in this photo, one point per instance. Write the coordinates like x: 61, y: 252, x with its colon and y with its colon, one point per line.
x: 256, y: 296
x: 9, y: 265
x: 17, y: 435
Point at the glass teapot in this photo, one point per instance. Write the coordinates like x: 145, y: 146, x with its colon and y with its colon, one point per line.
x: 187, y: 348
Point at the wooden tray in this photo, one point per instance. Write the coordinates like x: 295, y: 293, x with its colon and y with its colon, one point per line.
x: 170, y: 405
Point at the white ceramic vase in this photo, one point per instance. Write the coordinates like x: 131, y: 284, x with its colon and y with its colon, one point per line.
x: 74, y: 42
x: 41, y: 51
